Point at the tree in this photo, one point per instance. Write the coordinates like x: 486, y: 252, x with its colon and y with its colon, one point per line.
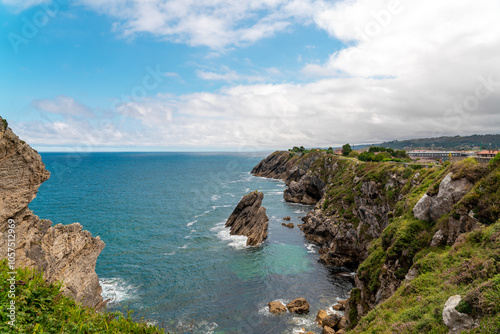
x: 346, y: 149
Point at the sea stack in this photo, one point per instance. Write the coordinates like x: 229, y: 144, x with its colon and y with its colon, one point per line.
x: 249, y: 219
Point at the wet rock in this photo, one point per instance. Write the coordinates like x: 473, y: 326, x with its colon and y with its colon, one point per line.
x: 276, y: 307
x: 249, y: 219
x: 289, y: 225
x: 331, y: 320
x: 299, y: 306
x: 328, y: 330
x: 322, y: 314
x: 286, y: 218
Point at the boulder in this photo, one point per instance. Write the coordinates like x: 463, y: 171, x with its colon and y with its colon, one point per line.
x: 455, y: 320
x: 342, y: 323
x: 289, y: 225
x: 322, y: 314
x: 286, y: 218
x: 276, y: 307
x: 431, y: 208
x: 249, y: 219
x: 331, y: 320
x: 299, y: 306
x: 328, y: 330
x: 340, y: 331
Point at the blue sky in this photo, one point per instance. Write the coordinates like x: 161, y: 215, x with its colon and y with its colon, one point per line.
x: 257, y: 74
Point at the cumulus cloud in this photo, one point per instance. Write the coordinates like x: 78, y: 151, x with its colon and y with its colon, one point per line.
x: 213, y: 23
x: 63, y: 105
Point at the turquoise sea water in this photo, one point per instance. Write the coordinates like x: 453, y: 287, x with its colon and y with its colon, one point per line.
x: 168, y: 256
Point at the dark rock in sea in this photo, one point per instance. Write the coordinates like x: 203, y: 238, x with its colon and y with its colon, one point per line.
x: 299, y: 306
x: 286, y: 218
x: 289, y: 225
x: 249, y: 219
x: 276, y: 307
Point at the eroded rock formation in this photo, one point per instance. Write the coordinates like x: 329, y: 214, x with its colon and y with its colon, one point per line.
x: 64, y: 253
x: 249, y: 219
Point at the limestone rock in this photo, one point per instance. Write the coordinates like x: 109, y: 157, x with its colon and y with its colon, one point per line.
x: 289, y: 225
x: 328, y: 330
x: 64, y: 253
x: 431, y: 208
x: 322, y: 314
x: 249, y: 219
x: 331, y: 320
x: 455, y: 320
x: 276, y: 307
x: 299, y: 306
x: 342, y: 323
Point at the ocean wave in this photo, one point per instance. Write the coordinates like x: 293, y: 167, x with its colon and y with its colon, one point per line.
x: 215, y: 197
x: 170, y: 254
x: 273, y: 193
x: 311, y: 248
x: 235, y: 241
x: 299, y: 211
x: 183, y: 247
x: 191, y: 223
x: 116, y: 289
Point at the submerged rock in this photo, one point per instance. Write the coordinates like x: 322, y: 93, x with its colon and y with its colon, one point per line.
x: 249, y: 219
x: 299, y: 306
x: 64, y: 253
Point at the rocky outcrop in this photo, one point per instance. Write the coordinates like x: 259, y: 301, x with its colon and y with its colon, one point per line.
x: 431, y: 208
x: 249, y: 219
x: 63, y: 253
x: 299, y: 306
x: 276, y: 307
x: 303, y: 185
x: 456, y: 321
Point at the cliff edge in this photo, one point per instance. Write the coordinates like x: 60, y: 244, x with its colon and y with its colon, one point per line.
x: 64, y: 253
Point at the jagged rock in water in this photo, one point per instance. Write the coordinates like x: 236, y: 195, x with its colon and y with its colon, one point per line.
x: 249, y: 219
x: 64, y: 253
x: 456, y: 321
x: 276, y: 307
x: 431, y: 208
x: 299, y: 306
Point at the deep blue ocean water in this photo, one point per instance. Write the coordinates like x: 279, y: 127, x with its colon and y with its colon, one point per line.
x: 168, y: 256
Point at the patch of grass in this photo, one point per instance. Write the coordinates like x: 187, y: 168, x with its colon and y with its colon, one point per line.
x: 41, y: 308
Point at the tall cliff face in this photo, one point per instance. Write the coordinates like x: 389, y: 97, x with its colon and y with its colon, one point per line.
x: 63, y: 253
x: 365, y: 216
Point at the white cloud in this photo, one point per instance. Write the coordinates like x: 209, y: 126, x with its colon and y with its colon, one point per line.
x: 213, y: 23
x: 431, y: 70
x: 63, y: 105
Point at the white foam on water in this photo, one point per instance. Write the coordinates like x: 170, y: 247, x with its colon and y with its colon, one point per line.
x: 235, y: 241
x: 116, y: 289
x: 299, y: 211
x: 191, y: 223
x: 230, y: 194
x: 303, y: 322
x: 170, y: 254
x: 203, y: 326
x: 311, y: 248
x: 215, y: 197
x: 183, y: 247
x: 271, y: 193
x: 247, y: 190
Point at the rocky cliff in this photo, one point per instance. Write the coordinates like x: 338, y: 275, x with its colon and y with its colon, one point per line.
x: 381, y: 216
x: 64, y: 253
x: 249, y: 219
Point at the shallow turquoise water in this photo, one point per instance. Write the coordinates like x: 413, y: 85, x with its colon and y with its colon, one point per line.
x: 168, y: 256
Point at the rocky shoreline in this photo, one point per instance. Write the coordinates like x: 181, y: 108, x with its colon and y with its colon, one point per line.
x: 353, y: 206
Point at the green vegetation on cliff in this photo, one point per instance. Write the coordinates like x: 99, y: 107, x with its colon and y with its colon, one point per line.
x: 447, y: 143
x: 41, y: 308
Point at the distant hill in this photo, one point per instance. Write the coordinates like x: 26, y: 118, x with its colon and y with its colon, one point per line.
x: 446, y: 143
